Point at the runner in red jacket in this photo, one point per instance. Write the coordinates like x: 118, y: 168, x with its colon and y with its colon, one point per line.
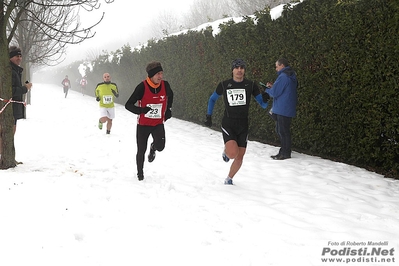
x: 152, y: 101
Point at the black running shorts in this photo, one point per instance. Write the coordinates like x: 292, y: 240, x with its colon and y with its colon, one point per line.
x: 235, y: 129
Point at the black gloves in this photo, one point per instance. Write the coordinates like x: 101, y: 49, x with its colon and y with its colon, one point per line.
x: 97, y: 99
x: 145, y: 110
x: 115, y: 93
x: 265, y: 97
x: 208, y: 121
x: 168, y: 114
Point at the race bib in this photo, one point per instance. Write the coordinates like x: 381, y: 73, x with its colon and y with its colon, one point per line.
x: 156, y: 112
x: 107, y: 99
x: 236, y: 97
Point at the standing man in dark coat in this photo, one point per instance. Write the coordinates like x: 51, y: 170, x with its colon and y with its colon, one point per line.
x: 18, y: 90
x: 285, y: 99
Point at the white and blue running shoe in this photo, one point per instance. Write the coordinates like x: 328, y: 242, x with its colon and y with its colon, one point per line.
x: 228, y: 181
x: 225, y: 158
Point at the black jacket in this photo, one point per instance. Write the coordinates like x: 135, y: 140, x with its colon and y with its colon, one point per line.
x: 17, y: 91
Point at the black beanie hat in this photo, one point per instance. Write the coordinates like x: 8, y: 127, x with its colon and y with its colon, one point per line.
x: 15, y: 52
x: 237, y: 63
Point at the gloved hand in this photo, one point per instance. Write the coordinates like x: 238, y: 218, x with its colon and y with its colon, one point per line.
x: 168, y: 114
x: 145, y: 110
x: 265, y: 97
x: 115, y: 93
x: 208, y: 121
x: 97, y: 99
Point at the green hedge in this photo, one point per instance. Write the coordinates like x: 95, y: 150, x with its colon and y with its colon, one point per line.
x: 345, y: 53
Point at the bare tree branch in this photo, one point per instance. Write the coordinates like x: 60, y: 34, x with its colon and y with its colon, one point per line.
x: 49, y: 26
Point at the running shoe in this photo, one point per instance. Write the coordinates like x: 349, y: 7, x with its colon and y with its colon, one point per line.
x: 228, y: 181
x: 140, y: 177
x: 225, y: 158
x: 151, y: 155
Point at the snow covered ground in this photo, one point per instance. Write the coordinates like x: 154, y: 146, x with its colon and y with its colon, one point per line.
x: 76, y: 200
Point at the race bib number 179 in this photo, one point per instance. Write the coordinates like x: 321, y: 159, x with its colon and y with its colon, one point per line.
x: 236, y: 97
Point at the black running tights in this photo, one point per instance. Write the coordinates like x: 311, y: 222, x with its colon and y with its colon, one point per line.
x: 143, y: 133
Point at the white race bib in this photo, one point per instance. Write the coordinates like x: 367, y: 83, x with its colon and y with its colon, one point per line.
x: 107, y: 99
x: 156, y: 111
x: 236, y: 97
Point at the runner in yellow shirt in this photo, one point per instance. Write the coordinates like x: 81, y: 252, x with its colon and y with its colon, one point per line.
x: 106, y: 92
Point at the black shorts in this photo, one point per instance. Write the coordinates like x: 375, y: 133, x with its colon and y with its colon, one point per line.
x: 235, y: 129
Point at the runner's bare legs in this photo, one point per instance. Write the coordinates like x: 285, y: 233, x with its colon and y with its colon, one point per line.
x: 235, y: 153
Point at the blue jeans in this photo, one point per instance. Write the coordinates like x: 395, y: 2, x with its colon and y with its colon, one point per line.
x: 283, y: 124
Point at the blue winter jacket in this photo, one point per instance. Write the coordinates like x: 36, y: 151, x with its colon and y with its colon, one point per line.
x: 284, y: 93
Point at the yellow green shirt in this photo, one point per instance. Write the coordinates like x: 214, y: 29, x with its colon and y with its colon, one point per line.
x: 104, y: 92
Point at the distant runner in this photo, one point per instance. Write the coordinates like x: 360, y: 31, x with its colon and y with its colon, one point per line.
x: 106, y: 92
x: 83, y: 84
x: 66, y: 85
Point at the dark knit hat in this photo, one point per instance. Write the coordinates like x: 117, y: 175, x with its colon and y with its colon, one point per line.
x: 13, y: 51
x: 238, y: 63
x: 153, y: 68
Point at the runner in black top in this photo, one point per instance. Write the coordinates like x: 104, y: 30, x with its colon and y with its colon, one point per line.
x: 236, y: 94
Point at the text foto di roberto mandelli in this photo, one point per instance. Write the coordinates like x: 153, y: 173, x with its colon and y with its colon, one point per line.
x: 356, y: 243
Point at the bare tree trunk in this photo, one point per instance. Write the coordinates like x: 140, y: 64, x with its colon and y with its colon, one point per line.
x: 7, y: 148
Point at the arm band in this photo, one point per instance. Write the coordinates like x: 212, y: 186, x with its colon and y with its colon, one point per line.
x: 211, y: 102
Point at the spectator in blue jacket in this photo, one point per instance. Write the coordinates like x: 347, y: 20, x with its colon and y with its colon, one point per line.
x: 285, y: 98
